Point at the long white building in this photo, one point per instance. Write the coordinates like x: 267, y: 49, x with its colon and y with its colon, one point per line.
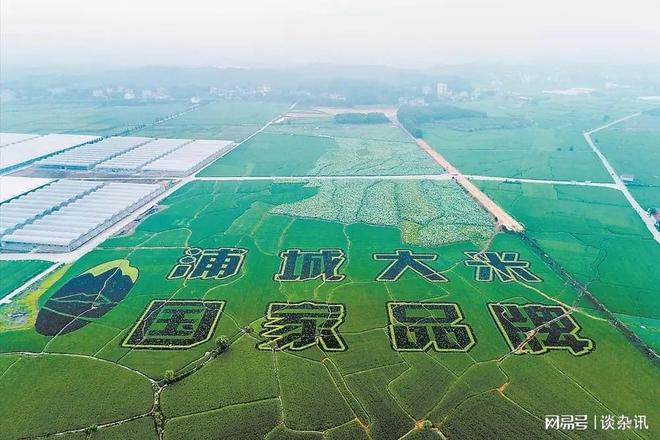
x: 63, y: 215
x: 189, y: 158
x: 135, y: 159
x: 17, y: 153
x: 88, y: 156
x: 134, y: 156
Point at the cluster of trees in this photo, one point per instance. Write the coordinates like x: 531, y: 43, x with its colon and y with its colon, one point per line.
x: 222, y: 344
x: 361, y: 118
x: 411, y: 117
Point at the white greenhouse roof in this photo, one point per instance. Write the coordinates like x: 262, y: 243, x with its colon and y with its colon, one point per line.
x: 66, y: 225
x: 138, y: 157
x: 13, y: 138
x: 188, y: 157
x: 24, y: 152
x: 87, y: 156
x: 11, y: 187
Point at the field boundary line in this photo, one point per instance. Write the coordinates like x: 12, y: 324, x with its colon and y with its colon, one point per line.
x: 583, y: 291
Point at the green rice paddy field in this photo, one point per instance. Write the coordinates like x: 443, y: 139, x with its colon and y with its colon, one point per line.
x: 294, y: 309
x: 232, y: 120
x: 320, y: 147
x: 595, y: 235
x: 538, y: 137
x: 633, y: 147
x: 92, y: 119
x: 89, y: 377
x: 15, y: 273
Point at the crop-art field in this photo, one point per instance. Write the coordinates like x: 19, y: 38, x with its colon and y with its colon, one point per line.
x: 315, y: 310
x: 320, y: 147
x: 596, y: 237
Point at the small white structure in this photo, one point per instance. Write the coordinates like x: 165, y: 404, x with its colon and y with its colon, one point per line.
x: 628, y: 178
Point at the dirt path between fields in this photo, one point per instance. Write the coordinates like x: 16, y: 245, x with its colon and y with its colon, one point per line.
x: 502, y: 218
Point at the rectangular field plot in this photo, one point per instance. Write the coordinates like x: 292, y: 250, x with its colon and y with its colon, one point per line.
x: 633, y: 147
x: 93, y: 119
x: 233, y: 120
x: 15, y: 273
x: 538, y: 139
x: 321, y: 147
x: 304, y: 312
x: 647, y: 196
x: 596, y: 236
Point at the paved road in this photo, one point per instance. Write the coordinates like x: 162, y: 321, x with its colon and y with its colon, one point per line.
x: 444, y: 176
x: 543, y: 181
x: 648, y: 221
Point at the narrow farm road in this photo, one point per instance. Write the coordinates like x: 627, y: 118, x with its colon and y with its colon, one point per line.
x: 648, y: 221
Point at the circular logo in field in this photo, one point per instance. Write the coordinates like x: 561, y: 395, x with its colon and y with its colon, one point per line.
x: 85, y: 298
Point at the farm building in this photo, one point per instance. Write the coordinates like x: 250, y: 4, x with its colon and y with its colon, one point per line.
x: 20, y: 149
x: 628, y: 178
x: 88, y: 156
x: 189, y: 158
x: 138, y: 155
x: 14, y: 138
x: 61, y: 216
x: 11, y: 186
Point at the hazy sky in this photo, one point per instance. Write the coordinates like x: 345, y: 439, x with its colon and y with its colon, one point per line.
x: 118, y: 33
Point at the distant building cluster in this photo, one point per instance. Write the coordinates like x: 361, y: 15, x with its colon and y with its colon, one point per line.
x: 441, y: 91
x: 240, y: 92
x: 129, y: 94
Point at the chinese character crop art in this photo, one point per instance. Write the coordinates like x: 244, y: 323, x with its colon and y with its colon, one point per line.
x: 300, y: 221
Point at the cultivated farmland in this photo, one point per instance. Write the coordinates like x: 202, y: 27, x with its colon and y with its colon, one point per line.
x: 328, y: 281
x: 320, y: 147
x: 368, y: 386
x: 15, y: 273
